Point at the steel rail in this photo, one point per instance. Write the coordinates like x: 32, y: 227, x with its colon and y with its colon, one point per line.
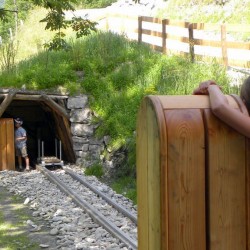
x: 114, y: 204
x: 96, y: 216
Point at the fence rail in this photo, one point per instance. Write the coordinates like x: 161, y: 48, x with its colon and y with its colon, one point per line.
x: 201, y: 41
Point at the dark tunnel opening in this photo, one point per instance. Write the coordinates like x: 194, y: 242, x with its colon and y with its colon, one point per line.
x: 39, y: 122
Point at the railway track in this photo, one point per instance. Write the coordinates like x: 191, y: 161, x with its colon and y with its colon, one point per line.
x: 100, y: 207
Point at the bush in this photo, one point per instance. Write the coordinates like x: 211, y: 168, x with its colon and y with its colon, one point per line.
x: 96, y: 170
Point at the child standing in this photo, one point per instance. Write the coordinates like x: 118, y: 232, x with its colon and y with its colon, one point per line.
x: 20, y: 144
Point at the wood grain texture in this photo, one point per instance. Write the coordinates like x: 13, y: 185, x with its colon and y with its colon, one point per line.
x: 142, y: 177
x: 7, y: 149
x: 151, y: 159
x: 226, y: 177
x: 3, y: 160
x: 186, y: 179
x: 10, y: 145
x: 193, y: 174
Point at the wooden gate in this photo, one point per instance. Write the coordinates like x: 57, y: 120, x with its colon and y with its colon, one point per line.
x: 7, y: 149
x: 192, y: 177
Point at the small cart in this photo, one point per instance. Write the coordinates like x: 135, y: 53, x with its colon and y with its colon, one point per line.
x: 50, y: 160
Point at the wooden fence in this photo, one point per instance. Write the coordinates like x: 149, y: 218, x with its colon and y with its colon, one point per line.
x: 202, y: 42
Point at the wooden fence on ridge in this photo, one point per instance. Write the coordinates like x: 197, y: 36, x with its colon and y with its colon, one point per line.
x: 201, y: 41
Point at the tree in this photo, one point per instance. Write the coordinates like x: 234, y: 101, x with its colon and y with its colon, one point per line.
x: 55, y: 20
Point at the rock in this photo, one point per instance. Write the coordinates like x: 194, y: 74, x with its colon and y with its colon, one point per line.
x: 54, y: 231
x: 43, y: 246
x: 77, y: 102
x: 27, y: 200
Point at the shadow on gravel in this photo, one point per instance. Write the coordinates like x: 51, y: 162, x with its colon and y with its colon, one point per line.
x: 15, y: 232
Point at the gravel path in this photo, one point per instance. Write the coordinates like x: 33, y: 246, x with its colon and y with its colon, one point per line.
x: 69, y: 225
x: 9, y: 210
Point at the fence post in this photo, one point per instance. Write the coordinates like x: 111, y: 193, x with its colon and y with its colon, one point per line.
x: 191, y: 27
x: 164, y: 36
x: 107, y: 22
x: 139, y: 29
x: 224, y: 44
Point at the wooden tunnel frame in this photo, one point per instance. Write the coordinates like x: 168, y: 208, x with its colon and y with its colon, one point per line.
x: 193, y: 173
x: 52, y: 103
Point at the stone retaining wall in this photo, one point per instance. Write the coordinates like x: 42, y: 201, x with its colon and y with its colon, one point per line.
x: 87, y: 148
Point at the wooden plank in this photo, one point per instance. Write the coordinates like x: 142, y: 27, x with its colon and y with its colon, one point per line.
x: 3, y: 140
x: 164, y: 36
x: 62, y: 126
x: 238, y: 27
x: 186, y: 179
x: 6, y: 102
x: 54, y: 106
x: 153, y: 180
x: 142, y: 177
x: 223, y: 44
x: 206, y: 26
x: 151, y: 175
x: 238, y: 45
x: 10, y: 148
x: 151, y: 32
x: 139, y: 29
x: 157, y: 175
x: 226, y: 185
x: 207, y: 42
x: 151, y: 19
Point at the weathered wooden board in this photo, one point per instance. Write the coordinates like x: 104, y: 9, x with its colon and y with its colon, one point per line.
x: 7, y: 149
x: 226, y: 179
x: 186, y: 179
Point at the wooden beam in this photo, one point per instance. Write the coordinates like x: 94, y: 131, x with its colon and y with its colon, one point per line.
x: 54, y: 106
x: 7, y: 101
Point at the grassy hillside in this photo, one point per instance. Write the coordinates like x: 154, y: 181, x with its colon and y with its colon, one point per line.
x: 208, y: 11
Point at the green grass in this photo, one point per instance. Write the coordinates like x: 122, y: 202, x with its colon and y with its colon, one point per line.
x: 117, y: 74
x: 126, y: 186
x: 96, y: 170
x: 12, y: 235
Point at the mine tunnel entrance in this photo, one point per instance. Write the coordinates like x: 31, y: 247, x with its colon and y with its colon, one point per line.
x: 45, y: 121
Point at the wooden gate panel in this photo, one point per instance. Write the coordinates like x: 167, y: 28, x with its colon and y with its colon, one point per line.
x: 201, y: 169
x: 226, y: 178
x: 7, y: 149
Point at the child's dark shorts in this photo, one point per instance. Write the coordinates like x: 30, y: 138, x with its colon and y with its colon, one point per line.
x: 21, y: 151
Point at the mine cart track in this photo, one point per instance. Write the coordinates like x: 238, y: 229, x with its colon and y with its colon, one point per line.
x: 114, y: 204
x: 90, y: 209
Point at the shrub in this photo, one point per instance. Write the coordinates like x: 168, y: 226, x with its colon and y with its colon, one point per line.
x: 95, y: 169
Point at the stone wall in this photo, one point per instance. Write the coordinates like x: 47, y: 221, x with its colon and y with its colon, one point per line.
x: 87, y: 148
